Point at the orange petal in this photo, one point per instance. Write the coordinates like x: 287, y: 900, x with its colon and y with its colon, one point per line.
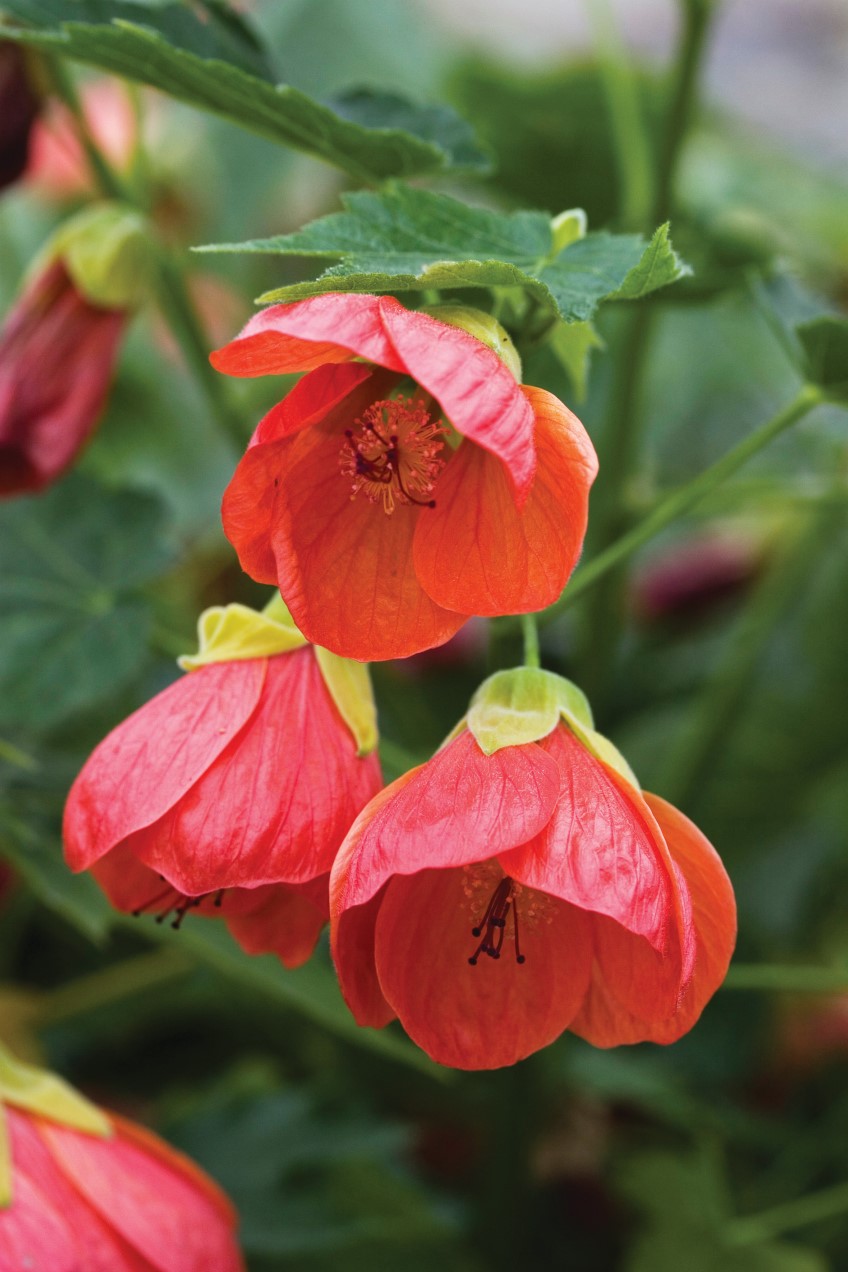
x: 282, y: 919
x: 478, y: 550
x: 494, y: 1013
x: 332, y: 328
x: 344, y: 567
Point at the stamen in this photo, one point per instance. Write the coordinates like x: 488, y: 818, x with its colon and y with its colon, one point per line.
x: 492, y: 926
x: 392, y: 454
x: 176, y: 903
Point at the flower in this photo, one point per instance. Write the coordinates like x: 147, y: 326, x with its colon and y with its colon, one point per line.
x: 58, y: 165
x: 59, y: 343
x: 229, y: 792
x: 19, y: 107
x: 86, y: 1191
x: 408, y: 480
x: 519, y: 883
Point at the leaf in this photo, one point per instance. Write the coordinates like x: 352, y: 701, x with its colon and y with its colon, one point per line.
x: 410, y: 240
x: 573, y: 342
x: 217, y: 66
x: 72, y: 630
x: 825, y: 343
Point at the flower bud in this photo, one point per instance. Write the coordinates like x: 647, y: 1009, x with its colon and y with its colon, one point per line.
x: 19, y: 106
x: 108, y: 253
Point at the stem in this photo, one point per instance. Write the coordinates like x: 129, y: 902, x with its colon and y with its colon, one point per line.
x: 114, y: 984
x: 172, y: 295
x: 826, y: 1204
x: 787, y: 978
x: 692, y: 759
x: 530, y: 631
x: 627, y: 122
x: 697, y: 15
x: 621, y: 438
x: 683, y: 500
x: 11, y: 754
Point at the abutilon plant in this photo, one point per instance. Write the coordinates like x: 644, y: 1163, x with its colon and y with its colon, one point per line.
x: 83, y: 1190
x: 520, y: 883
x: 408, y: 480
x: 59, y: 343
x: 230, y: 792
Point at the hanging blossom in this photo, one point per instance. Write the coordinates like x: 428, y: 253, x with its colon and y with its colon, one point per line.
x: 408, y: 480
x: 20, y: 103
x: 520, y: 883
x: 86, y: 1191
x: 229, y: 793
x: 59, y: 343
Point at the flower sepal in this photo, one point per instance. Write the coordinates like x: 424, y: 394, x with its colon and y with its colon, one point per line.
x: 230, y: 633
x: 525, y: 704
x: 483, y: 327
x: 108, y: 254
x: 37, y: 1091
x: 349, y: 685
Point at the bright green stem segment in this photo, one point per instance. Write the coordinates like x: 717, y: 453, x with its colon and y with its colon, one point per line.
x: 786, y: 978
x: 683, y: 500
x: 530, y: 630
x: 813, y: 1208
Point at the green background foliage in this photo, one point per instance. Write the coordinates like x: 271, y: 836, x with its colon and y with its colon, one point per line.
x: 347, y: 1147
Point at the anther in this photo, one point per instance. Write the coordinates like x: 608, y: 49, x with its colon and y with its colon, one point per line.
x: 392, y: 455
x: 492, y: 926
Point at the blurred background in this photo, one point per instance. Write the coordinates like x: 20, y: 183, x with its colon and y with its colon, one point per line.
x: 717, y: 664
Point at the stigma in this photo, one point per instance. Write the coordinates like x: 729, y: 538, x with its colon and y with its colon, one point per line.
x: 392, y: 454
x: 492, y: 926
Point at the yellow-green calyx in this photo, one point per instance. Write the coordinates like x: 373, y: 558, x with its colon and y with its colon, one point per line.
x: 25, y: 1087
x: 484, y: 328
x: 524, y: 705
x: 107, y: 251
x: 231, y: 633
x: 567, y: 228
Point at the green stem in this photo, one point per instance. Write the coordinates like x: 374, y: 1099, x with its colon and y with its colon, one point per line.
x: 633, y: 153
x: 692, y: 758
x: 11, y: 754
x: 622, y: 436
x: 114, y: 984
x: 172, y: 294
x: 697, y: 15
x: 787, y: 978
x: 817, y: 1206
x: 683, y: 500
x: 530, y: 631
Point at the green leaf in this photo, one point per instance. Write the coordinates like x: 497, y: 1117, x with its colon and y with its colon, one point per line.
x: 573, y: 342
x: 72, y: 630
x: 215, y: 65
x: 410, y: 240
x: 825, y: 342
x: 38, y: 859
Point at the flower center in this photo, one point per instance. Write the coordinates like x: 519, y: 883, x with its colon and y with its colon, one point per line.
x: 392, y: 454
x: 169, y: 901
x: 492, y: 926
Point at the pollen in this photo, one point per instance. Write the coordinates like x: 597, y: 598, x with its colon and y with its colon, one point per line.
x: 392, y: 454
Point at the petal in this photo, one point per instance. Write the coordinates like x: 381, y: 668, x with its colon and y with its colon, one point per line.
x: 150, y: 761
x: 344, y: 567
x: 478, y: 550
x: 713, y: 910
x: 155, y: 1201
x: 277, y: 803
x: 312, y: 398
x: 461, y: 806
x: 332, y: 328
x: 494, y: 1013
x: 250, y: 509
x: 280, y: 919
x: 476, y: 390
x: 49, y: 1227
x: 600, y: 850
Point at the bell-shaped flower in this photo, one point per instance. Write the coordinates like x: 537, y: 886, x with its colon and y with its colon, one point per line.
x: 59, y: 343
x: 408, y: 480
x: 86, y: 1191
x: 230, y: 792
x: 520, y: 883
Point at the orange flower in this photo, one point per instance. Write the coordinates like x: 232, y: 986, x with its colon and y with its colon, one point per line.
x: 408, y: 481
x: 492, y: 900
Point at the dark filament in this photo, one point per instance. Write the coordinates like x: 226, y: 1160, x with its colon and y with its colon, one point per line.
x: 492, y: 926
x: 177, y: 903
